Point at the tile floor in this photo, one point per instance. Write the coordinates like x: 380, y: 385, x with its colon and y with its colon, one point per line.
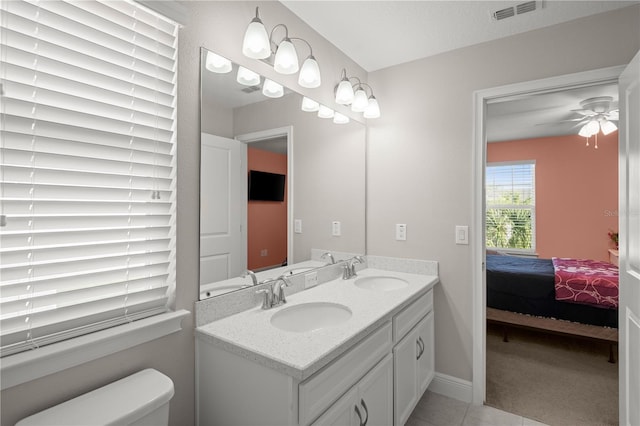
x: 437, y: 410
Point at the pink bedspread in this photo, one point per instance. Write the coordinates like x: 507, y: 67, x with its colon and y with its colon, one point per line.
x: 589, y: 282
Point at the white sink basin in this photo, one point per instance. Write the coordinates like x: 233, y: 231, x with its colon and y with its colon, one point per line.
x: 380, y: 283
x: 310, y: 316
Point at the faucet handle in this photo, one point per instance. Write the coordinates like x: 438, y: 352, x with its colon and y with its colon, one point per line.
x: 267, y: 300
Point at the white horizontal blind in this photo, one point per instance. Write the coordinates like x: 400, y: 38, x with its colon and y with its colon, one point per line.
x: 510, y: 204
x: 87, y: 182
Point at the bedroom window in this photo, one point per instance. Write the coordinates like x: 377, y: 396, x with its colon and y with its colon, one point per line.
x: 510, y: 206
x: 87, y: 180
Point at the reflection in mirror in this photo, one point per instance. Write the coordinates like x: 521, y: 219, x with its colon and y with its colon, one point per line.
x: 309, y: 198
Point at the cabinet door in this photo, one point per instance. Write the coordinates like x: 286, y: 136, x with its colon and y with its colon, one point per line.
x: 426, y: 361
x: 376, y: 395
x: 342, y: 412
x: 405, y: 376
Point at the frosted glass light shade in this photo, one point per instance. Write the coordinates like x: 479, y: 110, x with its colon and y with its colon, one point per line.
x: 309, y: 73
x: 247, y: 77
x: 218, y: 64
x: 373, y: 109
x: 344, y: 93
x: 286, y: 60
x: 360, y: 101
x: 256, y: 41
x: 340, y: 118
x: 607, y: 127
x: 271, y: 89
x: 325, y: 112
x: 592, y: 127
x: 309, y: 105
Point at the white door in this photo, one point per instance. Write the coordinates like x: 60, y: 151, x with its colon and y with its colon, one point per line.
x: 376, y: 394
x: 405, y: 376
x: 629, y: 222
x: 426, y: 360
x: 223, y: 208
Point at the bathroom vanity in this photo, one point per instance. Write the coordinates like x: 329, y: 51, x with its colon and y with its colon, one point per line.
x: 356, y: 351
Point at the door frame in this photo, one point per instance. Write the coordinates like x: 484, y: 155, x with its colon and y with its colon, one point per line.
x: 286, y: 131
x: 481, y: 99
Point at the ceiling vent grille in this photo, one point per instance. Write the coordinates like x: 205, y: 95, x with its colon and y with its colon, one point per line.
x: 519, y: 9
x: 503, y: 13
x: 529, y: 6
x: 250, y: 89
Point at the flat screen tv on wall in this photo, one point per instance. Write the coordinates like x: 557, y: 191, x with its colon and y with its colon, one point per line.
x: 265, y: 186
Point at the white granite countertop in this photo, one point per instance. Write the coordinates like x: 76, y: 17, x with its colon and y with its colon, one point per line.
x: 250, y: 333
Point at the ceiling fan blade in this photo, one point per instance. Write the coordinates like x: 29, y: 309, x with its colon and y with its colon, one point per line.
x: 613, y: 116
x: 562, y: 121
x: 585, y: 112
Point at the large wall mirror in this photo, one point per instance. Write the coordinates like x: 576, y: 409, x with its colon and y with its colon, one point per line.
x: 278, y: 185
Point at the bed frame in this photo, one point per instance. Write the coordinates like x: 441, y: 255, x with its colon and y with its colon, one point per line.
x: 549, y: 325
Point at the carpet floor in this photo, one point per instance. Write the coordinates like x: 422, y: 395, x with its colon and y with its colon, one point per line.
x: 553, y: 379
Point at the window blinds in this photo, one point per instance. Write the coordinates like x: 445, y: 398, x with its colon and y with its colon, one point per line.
x: 87, y: 185
x: 510, y: 204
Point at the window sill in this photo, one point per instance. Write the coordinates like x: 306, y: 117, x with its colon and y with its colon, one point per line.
x: 26, y: 366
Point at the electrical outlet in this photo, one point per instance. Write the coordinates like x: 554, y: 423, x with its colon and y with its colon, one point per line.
x: 311, y: 279
x: 263, y: 252
x: 401, y: 231
x: 297, y: 226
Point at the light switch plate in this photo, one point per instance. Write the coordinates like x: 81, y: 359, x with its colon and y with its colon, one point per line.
x: 297, y: 226
x: 462, y: 234
x: 335, y: 229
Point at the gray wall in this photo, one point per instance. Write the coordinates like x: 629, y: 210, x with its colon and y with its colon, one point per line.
x: 420, y: 165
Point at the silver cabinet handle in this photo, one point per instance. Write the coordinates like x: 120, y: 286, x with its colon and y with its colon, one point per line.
x: 418, y: 350
x: 366, y: 411
x: 420, y: 344
x: 359, y: 415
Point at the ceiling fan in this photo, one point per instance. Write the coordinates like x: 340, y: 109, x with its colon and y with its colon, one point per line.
x: 598, y: 114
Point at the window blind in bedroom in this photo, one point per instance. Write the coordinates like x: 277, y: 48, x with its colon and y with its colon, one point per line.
x: 510, y: 205
x: 87, y: 186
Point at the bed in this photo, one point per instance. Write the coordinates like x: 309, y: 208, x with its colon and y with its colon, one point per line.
x: 546, y: 293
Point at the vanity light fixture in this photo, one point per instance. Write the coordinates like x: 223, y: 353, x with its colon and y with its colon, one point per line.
x: 358, y: 99
x: 325, y: 112
x: 340, y: 118
x: 258, y: 45
x: 218, y: 64
x: 309, y: 105
x: 247, y: 77
x: 271, y: 89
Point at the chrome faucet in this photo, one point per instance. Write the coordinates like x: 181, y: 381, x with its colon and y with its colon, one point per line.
x: 274, y: 293
x: 330, y: 256
x: 253, y: 276
x: 350, y: 267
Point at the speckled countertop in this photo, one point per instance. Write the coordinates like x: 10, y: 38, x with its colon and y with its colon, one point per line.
x: 250, y: 334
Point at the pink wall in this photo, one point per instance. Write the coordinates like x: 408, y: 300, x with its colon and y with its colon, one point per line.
x: 267, y: 220
x: 576, y: 192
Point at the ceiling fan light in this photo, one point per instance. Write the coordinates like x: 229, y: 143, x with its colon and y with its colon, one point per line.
x: 325, y: 112
x: 247, y: 77
x: 592, y: 127
x: 309, y: 105
x: 344, y: 92
x: 286, y: 60
x: 271, y: 89
x: 218, y: 64
x: 607, y: 127
x: 584, y: 132
x: 373, y: 109
x: 256, y: 41
x: 360, y: 101
x: 339, y: 118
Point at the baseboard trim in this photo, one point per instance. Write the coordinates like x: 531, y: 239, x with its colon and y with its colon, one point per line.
x: 452, y: 387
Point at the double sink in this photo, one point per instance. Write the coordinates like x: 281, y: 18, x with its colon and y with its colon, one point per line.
x: 313, y: 316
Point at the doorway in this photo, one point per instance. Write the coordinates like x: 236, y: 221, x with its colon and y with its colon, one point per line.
x: 481, y: 100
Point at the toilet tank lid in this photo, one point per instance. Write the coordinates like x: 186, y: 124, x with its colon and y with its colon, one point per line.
x: 120, y: 402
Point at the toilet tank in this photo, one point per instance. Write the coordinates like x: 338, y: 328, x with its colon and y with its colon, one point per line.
x: 140, y: 399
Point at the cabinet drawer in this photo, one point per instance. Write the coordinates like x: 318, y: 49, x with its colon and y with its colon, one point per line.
x: 318, y: 392
x: 409, y: 317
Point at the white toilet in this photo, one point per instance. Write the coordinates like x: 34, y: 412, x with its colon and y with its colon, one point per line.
x: 140, y: 399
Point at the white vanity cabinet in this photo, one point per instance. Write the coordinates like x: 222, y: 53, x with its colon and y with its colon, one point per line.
x: 369, y: 402
x: 413, y: 356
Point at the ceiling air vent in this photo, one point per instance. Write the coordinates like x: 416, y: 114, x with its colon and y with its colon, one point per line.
x: 529, y: 6
x: 519, y: 9
x: 250, y: 89
x: 503, y: 13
